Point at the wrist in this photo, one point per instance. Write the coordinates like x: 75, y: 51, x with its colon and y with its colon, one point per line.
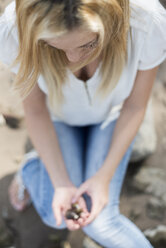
x: 59, y: 176
x: 62, y: 183
x: 104, y: 175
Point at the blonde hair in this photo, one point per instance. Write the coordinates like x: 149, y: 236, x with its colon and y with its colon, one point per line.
x: 39, y: 19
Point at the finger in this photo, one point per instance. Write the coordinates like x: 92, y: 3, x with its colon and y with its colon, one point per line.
x: 82, y: 205
x: 71, y: 225
x: 84, y: 215
x: 96, y: 208
x: 80, y: 191
x: 80, y: 221
x: 57, y: 215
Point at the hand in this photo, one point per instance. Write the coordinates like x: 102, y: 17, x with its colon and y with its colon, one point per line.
x: 62, y: 201
x: 97, y: 188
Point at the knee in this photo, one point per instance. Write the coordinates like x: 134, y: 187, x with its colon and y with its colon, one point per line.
x: 102, y: 226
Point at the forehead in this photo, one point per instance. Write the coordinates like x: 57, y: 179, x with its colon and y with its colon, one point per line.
x: 72, y: 39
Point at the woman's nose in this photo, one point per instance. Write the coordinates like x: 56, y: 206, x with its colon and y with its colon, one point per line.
x: 73, y: 56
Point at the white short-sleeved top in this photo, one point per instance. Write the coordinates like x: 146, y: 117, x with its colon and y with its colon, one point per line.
x: 146, y: 50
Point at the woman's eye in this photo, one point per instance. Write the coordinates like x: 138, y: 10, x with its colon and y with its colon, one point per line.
x: 92, y: 45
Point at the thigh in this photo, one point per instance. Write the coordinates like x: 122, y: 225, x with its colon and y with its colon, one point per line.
x: 71, y: 141
x: 110, y: 228
x: 36, y: 178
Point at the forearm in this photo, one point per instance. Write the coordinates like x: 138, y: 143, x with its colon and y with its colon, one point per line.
x: 125, y: 131
x: 129, y: 121
x: 44, y: 138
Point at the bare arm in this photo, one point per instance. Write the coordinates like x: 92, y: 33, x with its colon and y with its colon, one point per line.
x: 129, y: 121
x: 43, y: 136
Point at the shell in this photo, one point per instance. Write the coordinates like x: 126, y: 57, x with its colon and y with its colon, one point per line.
x: 74, y: 212
x: 71, y: 215
x: 76, y: 208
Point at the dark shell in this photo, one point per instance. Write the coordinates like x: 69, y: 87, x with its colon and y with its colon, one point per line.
x: 70, y: 215
x: 76, y: 208
x: 74, y: 212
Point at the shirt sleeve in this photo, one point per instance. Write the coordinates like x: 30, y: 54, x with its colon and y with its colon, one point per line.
x: 153, y: 51
x: 8, y: 45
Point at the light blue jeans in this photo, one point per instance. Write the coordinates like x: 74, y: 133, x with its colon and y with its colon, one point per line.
x: 84, y: 150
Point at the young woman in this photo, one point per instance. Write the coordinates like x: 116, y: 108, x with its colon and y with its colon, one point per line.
x: 85, y: 70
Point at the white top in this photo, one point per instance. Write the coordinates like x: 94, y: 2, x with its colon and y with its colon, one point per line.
x: 146, y: 50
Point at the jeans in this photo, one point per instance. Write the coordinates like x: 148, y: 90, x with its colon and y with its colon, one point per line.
x: 84, y: 150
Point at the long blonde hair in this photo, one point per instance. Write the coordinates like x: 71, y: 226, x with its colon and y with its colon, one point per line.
x: 39, y: 19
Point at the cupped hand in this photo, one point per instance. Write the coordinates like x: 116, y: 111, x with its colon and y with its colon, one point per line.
x: 98, y: 190
x: 62, y: 201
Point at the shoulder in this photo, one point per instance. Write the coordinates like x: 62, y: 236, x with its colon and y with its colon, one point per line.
x: 146, y: 14
x: 8, y: 35
x: 148, y: 26
x: 8, y: 21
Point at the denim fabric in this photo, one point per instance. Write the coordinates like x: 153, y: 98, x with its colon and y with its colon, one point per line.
x: 84, y: 150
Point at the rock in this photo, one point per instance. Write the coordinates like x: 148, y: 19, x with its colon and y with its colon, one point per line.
x: 134, y: 214
x: 6, y: 240
x: 157, y: 236
x: 159, y: 94
x: 2, y: 120
x: 66, y: 244
x: 151, y: 181
x: 12, y: 121
x: 161, y: 75
x: 60, y: 244
x: 146, y: 139
x: 89, y: 243
x: 155, y: 209
x: 28, y: 145
x: 163, y: 2
x: 10, y: 101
